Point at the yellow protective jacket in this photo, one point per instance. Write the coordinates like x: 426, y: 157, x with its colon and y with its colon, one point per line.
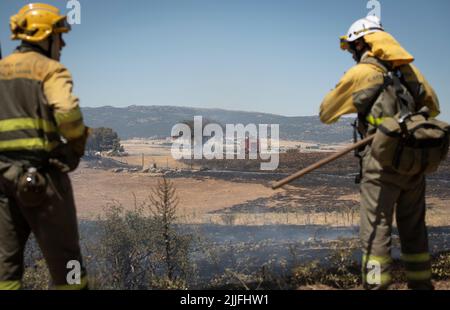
x: 37, y: 106
x: 362, y: 83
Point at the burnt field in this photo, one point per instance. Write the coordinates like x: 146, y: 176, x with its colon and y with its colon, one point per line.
x: 229, y: 191
x: 293, y: 161
x: 237, y: 192
x: 244, y: 234
x: 333, y: 181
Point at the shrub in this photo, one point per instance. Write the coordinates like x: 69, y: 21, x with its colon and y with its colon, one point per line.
x: 103, y: 139
x: 142, y: 248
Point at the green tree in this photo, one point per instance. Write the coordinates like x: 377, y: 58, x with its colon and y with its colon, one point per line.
x: 164, y: 206
x: 144, y: 248
x: 104, y: 139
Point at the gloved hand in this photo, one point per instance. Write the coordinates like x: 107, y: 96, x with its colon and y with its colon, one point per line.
x: 67, y: 156
x: 78, y: 145
x: 61, y: 166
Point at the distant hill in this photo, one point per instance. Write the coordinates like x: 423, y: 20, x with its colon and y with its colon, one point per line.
x: 151, y: 121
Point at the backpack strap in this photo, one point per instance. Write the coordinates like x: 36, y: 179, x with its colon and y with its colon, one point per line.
x: 392, y: 78
x: 376, y: 62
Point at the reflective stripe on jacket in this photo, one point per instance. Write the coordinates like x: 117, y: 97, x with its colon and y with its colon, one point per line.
x: 37, y: 105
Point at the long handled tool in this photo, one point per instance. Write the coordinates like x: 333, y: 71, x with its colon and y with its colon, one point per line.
x: 322, y: 163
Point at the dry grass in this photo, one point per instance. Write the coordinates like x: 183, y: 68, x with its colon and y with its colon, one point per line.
x: 94, y: 188
x: 211, y: 200
x: 334, y: 219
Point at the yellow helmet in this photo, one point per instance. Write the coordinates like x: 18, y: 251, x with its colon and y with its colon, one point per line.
x: 37, y: 21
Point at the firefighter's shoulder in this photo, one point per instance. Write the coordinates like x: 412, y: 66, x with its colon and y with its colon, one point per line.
x: 30, y: 65
x: 363, y: 75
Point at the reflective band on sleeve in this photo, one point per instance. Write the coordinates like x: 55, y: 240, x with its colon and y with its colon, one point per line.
x: 416, y: 258
x: 375, y: 121
x: 72, y: 130
x: 27, y: 144
x: 71, y: 124
x: 26, y: 123
x: 68, y: 117
x: 74, y: 287
x: 10, y: 285
x: 418, y: 275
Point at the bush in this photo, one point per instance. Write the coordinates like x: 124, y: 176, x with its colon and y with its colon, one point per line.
x: 37, y: 276
x: 338, y: 270
x: 138, y: 249
x: 104, y: 139
x: 142, y: 249
x: 441, y: 267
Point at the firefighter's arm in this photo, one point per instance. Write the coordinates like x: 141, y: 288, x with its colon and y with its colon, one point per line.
x: 58, y: 91
x: 339, y: 101
x: 352, y: 94
x: 427, y: 96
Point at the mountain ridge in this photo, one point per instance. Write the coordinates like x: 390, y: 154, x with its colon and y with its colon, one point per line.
x: 137, y: 121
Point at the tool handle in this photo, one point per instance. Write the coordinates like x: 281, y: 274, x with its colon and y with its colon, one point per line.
x: 322, y: 163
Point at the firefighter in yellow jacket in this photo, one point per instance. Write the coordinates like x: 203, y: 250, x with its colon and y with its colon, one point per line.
x: 42, y: 138
x: 383, y: 192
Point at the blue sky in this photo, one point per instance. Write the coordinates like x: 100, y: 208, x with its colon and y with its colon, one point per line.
x: 277, y: 56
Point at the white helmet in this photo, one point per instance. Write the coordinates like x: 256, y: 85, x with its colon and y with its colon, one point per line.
x: 360, y: 28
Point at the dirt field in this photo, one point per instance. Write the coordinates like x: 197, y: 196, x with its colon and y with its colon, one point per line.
x: 152, y: 152
x: 328, y: 197
x: 94, y: 189
x: 220, y: 201
x: 157, y: 152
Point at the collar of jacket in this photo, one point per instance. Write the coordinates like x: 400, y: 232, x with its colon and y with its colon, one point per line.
x: 368, y: 54
x: 365, y: 55
x: 27, y: 47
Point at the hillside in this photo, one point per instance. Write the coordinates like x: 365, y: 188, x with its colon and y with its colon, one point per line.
x: 151, y: 121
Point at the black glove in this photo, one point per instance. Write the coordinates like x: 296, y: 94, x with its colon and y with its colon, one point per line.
x: 67, y: 156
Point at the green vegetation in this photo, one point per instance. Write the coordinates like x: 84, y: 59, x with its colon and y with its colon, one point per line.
x: 103, y: 139
x: 145, y: 248
x: 141, y: 249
